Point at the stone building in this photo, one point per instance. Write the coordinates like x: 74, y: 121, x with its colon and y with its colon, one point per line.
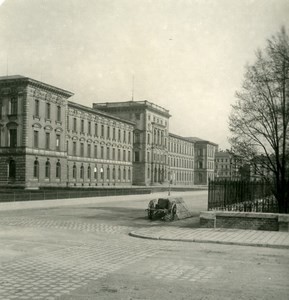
x: 181, y: 160
x: 226, y: 166
x: 204, y: 160
x: 151, y: 134
x: 48, y: 141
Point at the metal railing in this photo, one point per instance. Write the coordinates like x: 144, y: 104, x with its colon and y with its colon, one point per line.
x: 236, y: 195
x: 13, y: 196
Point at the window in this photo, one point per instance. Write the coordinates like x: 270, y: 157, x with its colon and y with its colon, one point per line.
x: 148, y: 157
x: 13, y: 137
x: 95, y: 129
x: 58, y: 142
x: 81, y: 149
x: 108, y: 132
x: 74, y: 148
x: 129, y: 174
x: 89, y: 150
x: 36, y: 169
x: 149, y: 138
x: 124, y: 155
x: 107, y: 153
x: 102, y: 130
x: 137, y: 137
x: 58, y: 170
x: 88, y: 172
x: 95, y: 151
x: 101, y: 173
x: 13, y: 106
x: 36, y: 138
x: 1, y: 105
x: 74, y: 172
x: 113, y: 173
x: 124, y: 174
x: 74, y: 124
x: 136, y: 156
x: 47, y: 169
x: 101, y: 152
x: 124, y: 136
x: 81, y: 172
x: 129, y: 137
x: 47, y: 140
x: 200, y: 165
x: 82, y: 126
x: 119, y: 174
x: 119, y: 135
x: 89, y: 128
x: 108, y: 173
x: 12, y: 169
x: 47, y: 111
x: 36, y: 108
x: 113, y: 153
x: 58, y: 113
x: 128, y: 156
x: 113, y: 133
x: 118, y: 154
x: 95, y: 173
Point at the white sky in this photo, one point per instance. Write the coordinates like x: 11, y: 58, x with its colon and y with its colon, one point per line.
x: 186, y: 55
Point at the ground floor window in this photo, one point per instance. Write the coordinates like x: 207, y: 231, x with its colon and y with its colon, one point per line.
x: 12, y: 169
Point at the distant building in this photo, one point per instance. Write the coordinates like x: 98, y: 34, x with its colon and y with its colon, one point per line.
x: 227, y: 166
x: 204, y: 160
x: 48, y: 141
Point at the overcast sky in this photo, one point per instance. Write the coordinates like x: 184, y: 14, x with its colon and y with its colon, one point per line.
x: 185, y: 55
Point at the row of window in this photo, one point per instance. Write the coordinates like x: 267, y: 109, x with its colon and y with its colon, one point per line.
x: 105, y: 131
x: 181, y: 148
x: 109, y: 173
x: 91, y: 151
x: 13, y: 107
x: 47, y: 111
x: 47, y: 170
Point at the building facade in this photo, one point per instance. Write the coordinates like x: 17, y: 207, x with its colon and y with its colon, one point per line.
x: 204, y: 160
x: 48, y: 141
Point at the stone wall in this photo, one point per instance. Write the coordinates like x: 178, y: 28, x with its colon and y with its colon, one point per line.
x: 244, y: 220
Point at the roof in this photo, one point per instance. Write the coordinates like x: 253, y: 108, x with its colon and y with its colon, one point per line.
x: 180, y: 137
x: 198, y: 140
x: 99, y: 112
x: 133, y: 104
x: 36, y: 83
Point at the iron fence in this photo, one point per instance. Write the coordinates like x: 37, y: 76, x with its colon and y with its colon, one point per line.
x: 238, y: 195
x: 17, y: 195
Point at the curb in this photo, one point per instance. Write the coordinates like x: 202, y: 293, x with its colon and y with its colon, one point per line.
x: 144, y: 236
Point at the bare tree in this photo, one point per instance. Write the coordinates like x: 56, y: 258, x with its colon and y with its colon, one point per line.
x: 259, y: 118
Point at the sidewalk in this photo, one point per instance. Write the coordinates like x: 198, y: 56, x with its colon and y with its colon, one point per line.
x: 272, y: 239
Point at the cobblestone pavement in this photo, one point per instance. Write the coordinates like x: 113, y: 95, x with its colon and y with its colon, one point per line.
x: 40, y: 222
x: 58, y: 272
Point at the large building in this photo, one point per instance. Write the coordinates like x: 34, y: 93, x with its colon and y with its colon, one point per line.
x: 48, y: 141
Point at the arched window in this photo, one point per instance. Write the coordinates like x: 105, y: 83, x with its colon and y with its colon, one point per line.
x: 58, y: 170
x: 74, y: 172
x: 36, y: 169
x: 81, y: 172
x: 95, y: 173
x: 129, y: 174
x: 113, y: 173
x: 47, y: 169
x: 108, y: 173
x: 12, y: 169
x: 124, y: 174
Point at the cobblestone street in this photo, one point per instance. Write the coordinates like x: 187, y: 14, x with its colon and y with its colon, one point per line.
x: 81, y: 253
